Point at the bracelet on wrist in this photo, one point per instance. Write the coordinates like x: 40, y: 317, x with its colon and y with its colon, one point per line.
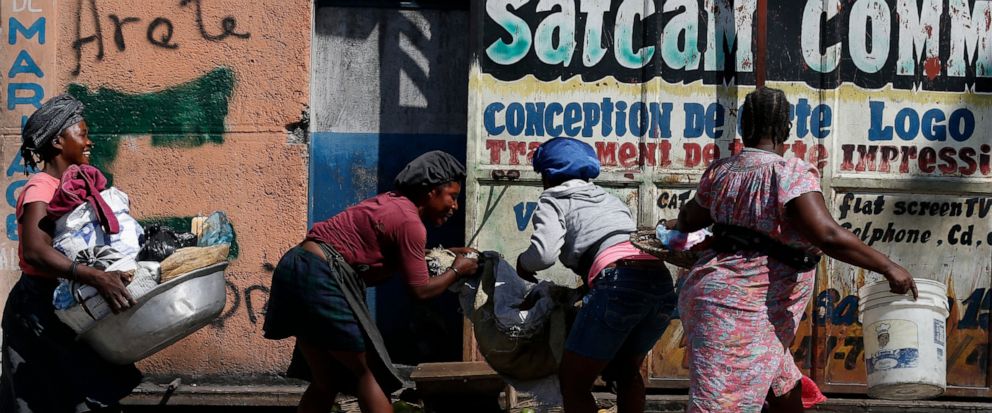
x: 454, y: 270
x: 72, y: 271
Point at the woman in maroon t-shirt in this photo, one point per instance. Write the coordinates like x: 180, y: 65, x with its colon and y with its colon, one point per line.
x: 318, y: 287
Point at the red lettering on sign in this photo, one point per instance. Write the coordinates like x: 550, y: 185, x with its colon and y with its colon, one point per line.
x: 799, y: 149
x: 693, y: 154
x: 819, y: 156
x: 711, y: 152
x: 889, y: 154
x: 866, y: 158
x: 647, y: 155
x: 495, y: 147
x: 530, y: 151
x: 628, y: 155
x: 607, y: 153
x: 908, y: 154
x: 928, y: 156
x: 847, y: 163
x: 983, y: 160
x: 949, y: 164
x: 736, y: 147
x: 517, y: 149
x: 968, y: 158
x: 666, y: 153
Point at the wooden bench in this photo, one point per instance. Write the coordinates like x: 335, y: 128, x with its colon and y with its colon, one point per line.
x: 453, y: 386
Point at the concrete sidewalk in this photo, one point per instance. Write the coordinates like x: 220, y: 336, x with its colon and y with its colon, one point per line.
x: 676, y: 403
x: 279, y: 398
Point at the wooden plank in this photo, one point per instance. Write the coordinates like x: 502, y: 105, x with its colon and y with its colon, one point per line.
x: 452, y: 371
x: 457, y: 379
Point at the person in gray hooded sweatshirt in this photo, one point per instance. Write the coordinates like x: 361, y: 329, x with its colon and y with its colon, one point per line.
x: 630, y: 294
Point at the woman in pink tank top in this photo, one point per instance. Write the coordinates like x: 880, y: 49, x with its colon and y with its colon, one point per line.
x: 45, y: 369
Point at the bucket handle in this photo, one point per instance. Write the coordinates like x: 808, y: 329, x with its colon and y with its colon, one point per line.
x: 932, y: 302
x: 928, y: 300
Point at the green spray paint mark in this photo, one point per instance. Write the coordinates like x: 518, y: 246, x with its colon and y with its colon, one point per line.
x: 186, y: 115
x: 184, y: 224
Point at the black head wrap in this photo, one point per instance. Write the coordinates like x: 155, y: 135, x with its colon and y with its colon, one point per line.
x: 429, y: 170
x: 46, y: 123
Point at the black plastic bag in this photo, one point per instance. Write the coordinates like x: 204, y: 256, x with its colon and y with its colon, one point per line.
x: 162, y: 241
x: 186, y: 239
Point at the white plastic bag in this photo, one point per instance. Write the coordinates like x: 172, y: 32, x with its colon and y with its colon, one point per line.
x: 80, y: 229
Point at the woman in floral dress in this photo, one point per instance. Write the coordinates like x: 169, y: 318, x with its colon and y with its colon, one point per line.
x: 741, y: 306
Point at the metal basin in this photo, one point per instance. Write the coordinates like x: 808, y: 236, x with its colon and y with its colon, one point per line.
x: 163, y: 316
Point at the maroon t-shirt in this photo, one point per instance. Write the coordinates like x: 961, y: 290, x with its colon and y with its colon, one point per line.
x: 384, y: 233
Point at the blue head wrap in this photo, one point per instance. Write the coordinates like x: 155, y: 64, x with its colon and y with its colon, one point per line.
x: 566, y: 158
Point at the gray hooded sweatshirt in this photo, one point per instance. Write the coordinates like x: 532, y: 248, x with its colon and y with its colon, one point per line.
x: 570, y: 219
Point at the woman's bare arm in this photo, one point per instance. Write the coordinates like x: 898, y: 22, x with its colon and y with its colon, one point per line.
x: 693, y: 217
x: 819, y: 227
x: 40, y: 254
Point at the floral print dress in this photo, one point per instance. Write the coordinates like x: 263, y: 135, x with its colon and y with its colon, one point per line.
x: 741, y: 310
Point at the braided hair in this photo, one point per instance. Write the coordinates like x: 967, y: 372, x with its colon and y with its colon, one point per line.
x: 765, y: 114
x: 33, y: 157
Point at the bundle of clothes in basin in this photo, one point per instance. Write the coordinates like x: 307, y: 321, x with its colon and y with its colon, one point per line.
x: 520, y: 327
x: 93, y: 227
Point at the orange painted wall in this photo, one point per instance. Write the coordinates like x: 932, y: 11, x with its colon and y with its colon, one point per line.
x: 251, y: 78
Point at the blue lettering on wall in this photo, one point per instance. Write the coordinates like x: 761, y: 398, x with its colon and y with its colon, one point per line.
x: 554, y: 109
x: 876, y: 132
x: 535, y: 119
x: 621, y: 124
x: 22, y: 93
x: 637, y: 121
x: 35, y: 99
x: 489, y: 118
x: 661, y: 119
x: 573, y: 115
x: 820, y: 120
x: 714, y: 121
x: 17, y: 164
x: 36, y: 29
x: 976, y: 311
x: 23, y: 63
x: 962, y: 124
x: 514, y: 119
x: 640, y: 119
x: 12, y: 202
x: 591, y: 114
x: 523, y: 212
x: 932, y: 129
x: 907, y: 124
x: 694, y: 123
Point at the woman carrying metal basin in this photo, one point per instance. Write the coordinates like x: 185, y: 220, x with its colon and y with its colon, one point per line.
x: 318, y: 287
x: 44, y: 368
x: 742, y: 302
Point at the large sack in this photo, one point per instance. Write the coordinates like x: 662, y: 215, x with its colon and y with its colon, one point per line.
x: 81, y: 229
x: 527, y: 346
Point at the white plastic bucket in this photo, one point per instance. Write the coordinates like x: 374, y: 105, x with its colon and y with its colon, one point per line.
x: 905, y: 340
